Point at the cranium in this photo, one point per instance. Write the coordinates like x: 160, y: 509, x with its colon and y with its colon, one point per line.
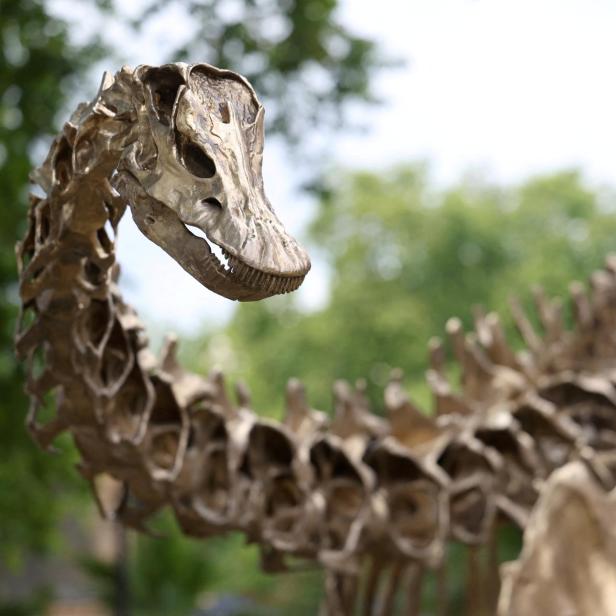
x: 197, y: 161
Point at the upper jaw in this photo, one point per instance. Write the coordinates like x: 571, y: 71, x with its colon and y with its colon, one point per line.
x: 274, y: 263
x: 255, y: 238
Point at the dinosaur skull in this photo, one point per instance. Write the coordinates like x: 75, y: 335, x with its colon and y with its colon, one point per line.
x: 198, y: 162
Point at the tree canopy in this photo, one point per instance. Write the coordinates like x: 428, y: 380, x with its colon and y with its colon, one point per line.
x: 405, y: 257
x: 300, y: 58
x: 37, y: 69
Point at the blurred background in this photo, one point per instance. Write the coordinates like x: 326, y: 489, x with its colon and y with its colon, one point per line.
x: 432, y: 154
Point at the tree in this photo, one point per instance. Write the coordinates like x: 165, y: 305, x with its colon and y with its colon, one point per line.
x: 299, y: 57
x: 38, y: 69
x: 404, y: 259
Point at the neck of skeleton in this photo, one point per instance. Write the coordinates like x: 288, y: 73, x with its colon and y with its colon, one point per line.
x: 74, y: 330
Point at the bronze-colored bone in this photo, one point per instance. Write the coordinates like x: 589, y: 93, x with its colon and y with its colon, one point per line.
x: 568, y: 562
x: 372, y: 499
x: 416, y: 513
x: 472, y: 469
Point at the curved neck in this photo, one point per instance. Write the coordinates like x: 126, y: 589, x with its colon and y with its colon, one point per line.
x: 76, y: 333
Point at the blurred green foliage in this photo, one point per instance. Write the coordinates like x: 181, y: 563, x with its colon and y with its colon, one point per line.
x: 300, y: 58
x: 38, y: 68
x: 170, y: 574
x: 404, y: 258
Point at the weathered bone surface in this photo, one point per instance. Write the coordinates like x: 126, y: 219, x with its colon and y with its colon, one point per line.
x: 568, y: 564
x: 374, y: 500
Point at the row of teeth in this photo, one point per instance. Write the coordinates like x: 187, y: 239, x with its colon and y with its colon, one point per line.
x: 253, y: 278
x: 257, y: 279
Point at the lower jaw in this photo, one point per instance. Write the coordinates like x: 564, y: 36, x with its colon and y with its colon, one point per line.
x: 256, y: 284
x: 262, y: 281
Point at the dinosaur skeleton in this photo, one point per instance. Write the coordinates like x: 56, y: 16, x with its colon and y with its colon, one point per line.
x: 372, y: 499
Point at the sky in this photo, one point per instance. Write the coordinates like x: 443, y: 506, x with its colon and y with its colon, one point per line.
x: 503, y: 89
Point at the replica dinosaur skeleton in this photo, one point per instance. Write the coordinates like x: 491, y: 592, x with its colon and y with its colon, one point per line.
x: 372, y: 499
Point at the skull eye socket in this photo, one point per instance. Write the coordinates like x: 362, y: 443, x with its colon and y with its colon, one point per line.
x: 163, y: 84
x: 196, y: 160
x: 212, y: 202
